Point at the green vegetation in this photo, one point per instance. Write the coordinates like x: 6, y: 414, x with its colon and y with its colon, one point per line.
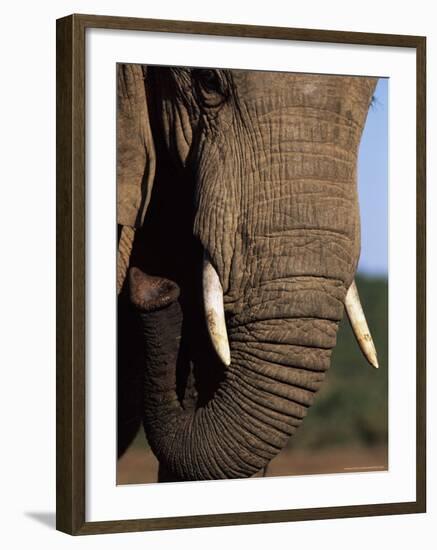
x: 351, y: 408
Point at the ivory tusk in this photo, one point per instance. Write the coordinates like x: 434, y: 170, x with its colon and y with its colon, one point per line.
x: 359, y: 325
x: 214, y: 311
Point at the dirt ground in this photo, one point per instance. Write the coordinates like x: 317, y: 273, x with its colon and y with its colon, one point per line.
x: 140, y: 465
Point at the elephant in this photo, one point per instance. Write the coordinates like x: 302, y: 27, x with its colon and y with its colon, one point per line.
x: 239, y: 239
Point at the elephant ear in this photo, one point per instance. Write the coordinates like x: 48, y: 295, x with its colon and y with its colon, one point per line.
x: 136, y: 159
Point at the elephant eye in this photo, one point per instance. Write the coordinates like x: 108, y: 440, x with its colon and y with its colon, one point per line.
x: 209, y: 79
x: 210, y: 85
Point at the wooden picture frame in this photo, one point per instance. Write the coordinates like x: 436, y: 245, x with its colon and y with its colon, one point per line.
x: 71, y: 275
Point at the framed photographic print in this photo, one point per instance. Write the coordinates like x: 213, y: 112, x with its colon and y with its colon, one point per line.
x: 241, y: 274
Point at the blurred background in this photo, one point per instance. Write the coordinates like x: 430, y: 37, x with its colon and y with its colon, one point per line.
x: 346, y: 429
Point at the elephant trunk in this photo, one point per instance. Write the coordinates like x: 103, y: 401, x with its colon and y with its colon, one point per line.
x: 277, y: 365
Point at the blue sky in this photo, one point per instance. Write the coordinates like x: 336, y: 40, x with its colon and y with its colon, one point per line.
x: 373, y: 186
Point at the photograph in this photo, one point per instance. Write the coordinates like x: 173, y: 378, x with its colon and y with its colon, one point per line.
x: 252, y: 273
x: 218, y: 218
x: 241, y: 274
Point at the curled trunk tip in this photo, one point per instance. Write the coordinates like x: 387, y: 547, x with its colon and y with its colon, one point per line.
x: 150, y: 293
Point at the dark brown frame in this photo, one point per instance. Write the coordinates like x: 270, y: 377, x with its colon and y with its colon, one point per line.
x: 70, y: 299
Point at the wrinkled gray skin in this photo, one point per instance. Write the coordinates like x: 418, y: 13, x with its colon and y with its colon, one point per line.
x: 272, y: 158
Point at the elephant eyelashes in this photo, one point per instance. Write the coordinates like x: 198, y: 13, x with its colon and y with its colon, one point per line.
x: 211, y: 87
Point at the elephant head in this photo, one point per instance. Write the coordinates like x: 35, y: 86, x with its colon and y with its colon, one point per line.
x: 251, y: 180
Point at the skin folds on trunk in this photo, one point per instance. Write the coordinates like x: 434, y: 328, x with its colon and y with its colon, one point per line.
x: 277, y: 366
x: 276, y: 211
x: 279, y: 198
